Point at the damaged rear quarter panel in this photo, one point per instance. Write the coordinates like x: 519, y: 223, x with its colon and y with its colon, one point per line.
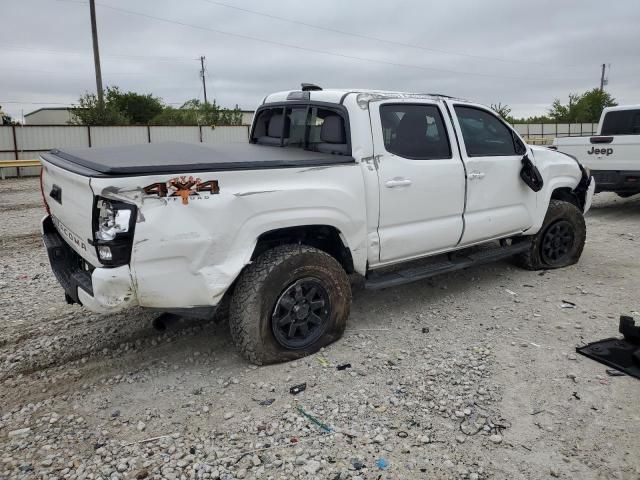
x: 187, y: 255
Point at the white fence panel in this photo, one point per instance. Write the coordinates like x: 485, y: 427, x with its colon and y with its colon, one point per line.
x: 48, y: 137
x: 31, y: 154
x: 7, y: 156
x: 113, y: 136
x: 175, y: 134
x: 6, y: 138
x: 563, y: 129
x: 535, y: 129
x: 225, y: 134
x: 575, y: 129
x: 587, y: 129
x: 521, y: 128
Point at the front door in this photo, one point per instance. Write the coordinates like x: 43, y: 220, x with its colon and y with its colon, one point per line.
x: 421, y: 176
x: 499, y: 203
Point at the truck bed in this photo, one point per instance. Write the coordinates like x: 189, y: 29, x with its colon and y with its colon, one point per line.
x: 176, y: 157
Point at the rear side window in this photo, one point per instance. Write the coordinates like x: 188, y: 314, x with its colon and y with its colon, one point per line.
x: 624, y: 122
x: 414, y: 131
x: 484, y: 134
x: 307, y: 126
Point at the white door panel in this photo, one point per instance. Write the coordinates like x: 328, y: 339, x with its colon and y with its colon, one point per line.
x: 421, y: 199
x: 498, y: 203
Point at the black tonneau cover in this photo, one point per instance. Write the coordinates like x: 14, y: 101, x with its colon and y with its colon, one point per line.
x: 176, y: 157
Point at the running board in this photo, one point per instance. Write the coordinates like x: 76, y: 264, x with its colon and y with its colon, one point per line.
x: 455, y: 261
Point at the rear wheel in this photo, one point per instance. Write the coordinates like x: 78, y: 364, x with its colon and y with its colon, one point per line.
x: 560, y: 241
x: 291, y: 301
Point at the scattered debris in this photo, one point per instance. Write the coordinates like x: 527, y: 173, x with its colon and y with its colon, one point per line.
x: 322, y: 361
x: 621, y: 354
x: 142, y: 474
x: 575, y: 395
x: 615, y: 373
x: 266, y: 402
x: 357, y: 464
x: 510, y: 292
x: 425, y: 329
x: 147, y: 440
x: 313, y: 419
x: 296, y: 389
x: 382, y: 463
x: 344, y: 366
x: 567, y: 304
x: 402, y: 434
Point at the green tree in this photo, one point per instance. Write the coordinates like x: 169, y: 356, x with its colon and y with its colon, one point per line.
x: 90, y: 112
x: 5, y: 119
x: 195, y: 112
x: 585, y: 108
x: 502, y: 110
x: 138, y: 108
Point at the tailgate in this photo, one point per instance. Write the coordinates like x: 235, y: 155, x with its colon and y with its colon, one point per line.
x: 70, y: 200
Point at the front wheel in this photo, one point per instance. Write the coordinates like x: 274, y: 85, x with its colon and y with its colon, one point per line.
x: 291, y: 301
x: 560, y: 241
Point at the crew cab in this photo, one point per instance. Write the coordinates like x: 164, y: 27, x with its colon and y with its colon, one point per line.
x: 613, y: 153
x: 333, y: 184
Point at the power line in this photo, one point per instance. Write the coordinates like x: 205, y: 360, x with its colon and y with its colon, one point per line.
x: 313, y: 50
x: 369, y: 37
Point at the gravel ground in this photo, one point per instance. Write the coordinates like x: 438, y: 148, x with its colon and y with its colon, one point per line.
x: 472, y: 375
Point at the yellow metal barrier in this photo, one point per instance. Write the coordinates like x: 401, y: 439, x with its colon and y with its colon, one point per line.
x: 16, y: 164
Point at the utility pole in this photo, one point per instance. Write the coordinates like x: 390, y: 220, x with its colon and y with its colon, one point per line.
x: 204, y: 83
x: 96, y: 53
x: 602, y: 78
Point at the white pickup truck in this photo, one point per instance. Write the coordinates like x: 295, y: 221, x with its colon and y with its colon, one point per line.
x: 391, y: 187
x: 613, y: 154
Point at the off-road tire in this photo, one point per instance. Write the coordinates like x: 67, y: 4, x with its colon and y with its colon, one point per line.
x: 559, y: 210
x: 259, y: 287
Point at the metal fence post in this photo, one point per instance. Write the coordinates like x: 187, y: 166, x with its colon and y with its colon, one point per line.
x: 15, y: 142
x: 148, y: 134
x: 89, y: 134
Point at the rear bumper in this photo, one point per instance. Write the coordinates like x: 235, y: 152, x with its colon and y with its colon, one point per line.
x: 619, y: 181
x: 101, y: 290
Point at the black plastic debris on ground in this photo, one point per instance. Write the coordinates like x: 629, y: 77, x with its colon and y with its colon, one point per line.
x: 344, y: 366
x: 296, y: 389
x: 621, y: 354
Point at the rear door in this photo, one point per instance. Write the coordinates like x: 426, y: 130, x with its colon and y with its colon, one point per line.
x: 70, y: 200
x: 421, y: 179
x: 498, y: 202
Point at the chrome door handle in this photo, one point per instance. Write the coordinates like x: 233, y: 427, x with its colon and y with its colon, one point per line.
x: 476, y: 175
x: 397, y: 182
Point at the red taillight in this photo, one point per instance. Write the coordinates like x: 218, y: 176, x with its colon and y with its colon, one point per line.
x: 44, y: 199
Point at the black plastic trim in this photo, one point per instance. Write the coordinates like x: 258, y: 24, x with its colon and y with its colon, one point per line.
x: 66, y: 263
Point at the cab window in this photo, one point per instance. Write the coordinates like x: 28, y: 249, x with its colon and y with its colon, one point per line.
x: 414, y: 131
x: 485, y: 135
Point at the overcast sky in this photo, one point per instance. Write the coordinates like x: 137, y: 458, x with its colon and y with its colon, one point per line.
x: 523, y: 54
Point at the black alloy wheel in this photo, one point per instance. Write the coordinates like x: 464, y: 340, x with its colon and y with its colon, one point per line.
x: 557, y: 242
x: 301, y: 314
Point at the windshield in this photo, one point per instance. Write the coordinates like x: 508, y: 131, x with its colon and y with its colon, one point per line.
x: 310, y: 127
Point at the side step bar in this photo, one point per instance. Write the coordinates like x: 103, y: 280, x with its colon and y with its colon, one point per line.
x: 455, y: 261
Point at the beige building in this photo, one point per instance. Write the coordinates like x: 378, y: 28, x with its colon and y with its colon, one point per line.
x: 49, y: 116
